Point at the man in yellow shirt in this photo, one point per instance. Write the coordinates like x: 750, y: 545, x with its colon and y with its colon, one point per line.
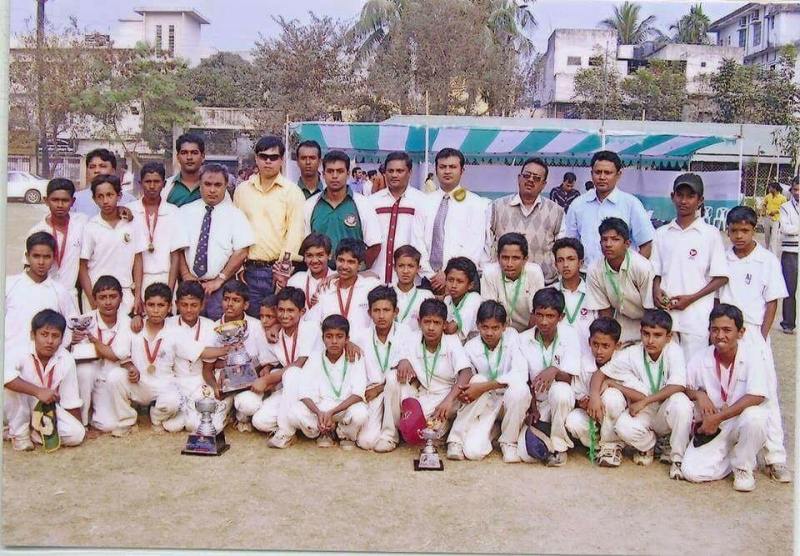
x: 771, y: 210
x: 274, y: 207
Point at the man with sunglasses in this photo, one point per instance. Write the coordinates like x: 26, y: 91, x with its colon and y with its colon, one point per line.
x: 274, y: 207
x: 539, y: 219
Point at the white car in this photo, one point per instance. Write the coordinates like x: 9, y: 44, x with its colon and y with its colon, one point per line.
x: 23, y: 185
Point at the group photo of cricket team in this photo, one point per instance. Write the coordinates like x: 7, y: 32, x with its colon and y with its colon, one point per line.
x: 362, y: 312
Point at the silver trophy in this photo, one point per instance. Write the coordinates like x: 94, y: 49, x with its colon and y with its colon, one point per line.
x: 282, y: 270
x: 206, y: 441
x: 83, y: 350
x: 429, y: 459
x: 238, y: 373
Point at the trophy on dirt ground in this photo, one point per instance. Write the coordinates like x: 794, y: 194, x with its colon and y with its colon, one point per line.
x: 83, y: 350
x: 238, y: 373
x: 207, y: 441
x: 429, y: 459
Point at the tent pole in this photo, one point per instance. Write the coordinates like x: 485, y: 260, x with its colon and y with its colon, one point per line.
x: 286, y: 141
x: 741, y: 163
x: 427, y: 141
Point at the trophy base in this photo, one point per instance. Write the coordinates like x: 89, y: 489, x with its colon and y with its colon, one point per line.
x: 200, y: 445
x: 428, y: 463
x: 237, y: 378
x: 84, y: 352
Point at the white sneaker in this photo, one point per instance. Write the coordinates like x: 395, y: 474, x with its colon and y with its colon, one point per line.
x: 119, y: 433
x: 6, y: 434
x: 779, y: 472
x: 158, y: 428
x: 244, y: 426
x: 346, y: 444
x: 743, y: 480
x: 325, y: 441
x: 281, y: 440
x: 609, y: 456
x: 643, y: 458
x: 455, y: 451
x: 557, y: 459
x: 383, y: 446
x: 510, y: 453
x: 664, y: 449
x: 22, y: 443
x: 675, y: 471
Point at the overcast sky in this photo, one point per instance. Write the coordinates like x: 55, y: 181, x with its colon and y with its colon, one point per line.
x: 236, y: 24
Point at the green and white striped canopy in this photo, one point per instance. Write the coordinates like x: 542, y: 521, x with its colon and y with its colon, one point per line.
x: 370, y: 142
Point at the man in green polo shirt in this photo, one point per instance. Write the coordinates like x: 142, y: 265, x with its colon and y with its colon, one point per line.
x: 309, y: 154
x: 339, y: 213
x: 184, y: 187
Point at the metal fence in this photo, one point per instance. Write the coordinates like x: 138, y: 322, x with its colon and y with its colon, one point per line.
x: 755, y: 177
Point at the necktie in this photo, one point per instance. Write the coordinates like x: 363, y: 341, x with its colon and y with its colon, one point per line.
x: 201, y: 256
x: 437, y: 242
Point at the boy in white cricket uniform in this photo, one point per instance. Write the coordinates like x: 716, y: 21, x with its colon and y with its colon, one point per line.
x: 112, y: 246
x: 690, y: 265
x: 729, y: 387
x: 568, y: 257
x: 332, y: 394
x: 32, y: 291
x: 438, y: 368
x: 409, y: 296
x: 44, y: 372
x: 620, y: 285
x: 755, y: 286
x: 462, y: 300
x: 652, y: 376
x: 67, y: 229
x: 498, y: 387
x: 382, y: 344
x: 150, y: 374
x: 552, y: 351
x: 513, y: 280
x: 284, y: 374
x: 111, y: 337
x: 316, y: 252
x: 604, y: 335
x: 347, y: 296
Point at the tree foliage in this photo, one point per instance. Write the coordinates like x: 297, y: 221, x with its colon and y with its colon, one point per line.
x: 692, y: 28
x: 225, y: 80
x: 628, y: 25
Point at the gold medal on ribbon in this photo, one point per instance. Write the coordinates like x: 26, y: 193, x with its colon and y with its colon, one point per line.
x: 151, y: 369
x: 151, y: 247
x: 460, y: 194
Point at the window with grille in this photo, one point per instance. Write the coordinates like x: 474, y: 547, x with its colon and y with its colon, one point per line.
x: 172, y: 40
x: 756, y: 34
x: 742, y: 38
x: 573, y: 60
x: 159, y: 42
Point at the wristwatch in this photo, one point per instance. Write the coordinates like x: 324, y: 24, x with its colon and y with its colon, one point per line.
x: 222, y: 276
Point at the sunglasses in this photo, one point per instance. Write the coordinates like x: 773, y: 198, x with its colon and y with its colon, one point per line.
x: 533, y: 177
x: 268, y: 157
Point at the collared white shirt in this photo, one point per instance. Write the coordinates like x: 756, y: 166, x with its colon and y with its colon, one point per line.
x: 169, y: 235
x: 307, y: 340
x: 174, y: 345
x: 789, y: 225
x: 255, y: 341
x: 465, y: 227
x: 575, y: 308
x: 61, y: 366
x: 116, y: 337
x: 754, y: 281
x: 203, y: 333
x: 563, y: 353
x: 581, y: 382
x: 25, y: 298
x: 628, y: 368
x: 358, y: 311
x: 686, y: 260
x: 67, y: 273
x: 748, y: 376
x: 375, y: 351
x: 349, y: 378
x: 444, y: 369
x: 495, y: 286
x: 111, y: 251
x: 505, y: 359
x: 465, y: 315
x: 305, y: 281
x: 402, y: 222
x: 408, y: 304
x: 229, y: 232
x: 635, y: 282
x: 586, y: 213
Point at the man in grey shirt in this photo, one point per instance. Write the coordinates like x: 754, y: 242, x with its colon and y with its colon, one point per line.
x: 98, y: 161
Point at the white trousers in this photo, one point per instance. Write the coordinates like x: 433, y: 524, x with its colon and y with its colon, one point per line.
x: 188, y: 418
x: 692, y: 343
x: 474, y: 422
x: 92, y: 377
x: 613, y: 406
x: 735, y: 447
x: 165, y: 411
x: 774, y: 449
x: 348, y: 422
x: 394, y: 393
x: 673, y: 415
x: 273, y: 413
x: 18, y: 409
x: 553, y: 408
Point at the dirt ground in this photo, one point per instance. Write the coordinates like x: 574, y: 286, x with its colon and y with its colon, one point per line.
x: 140, y: 491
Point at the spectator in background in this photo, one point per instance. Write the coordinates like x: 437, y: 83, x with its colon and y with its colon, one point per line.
x: 789, y: 230
x: 377, y: 180
x: 184, y: 187
x: 565, y: 193
x: 588, y: 185
x: 430, y: 185
x: 98, y: 162
x: 309, y: 156
x: 356, y: 181
x: 771, y: 213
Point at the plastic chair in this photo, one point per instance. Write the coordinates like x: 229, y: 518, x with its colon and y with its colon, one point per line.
x: 708, y: 214
x: 722, y: 214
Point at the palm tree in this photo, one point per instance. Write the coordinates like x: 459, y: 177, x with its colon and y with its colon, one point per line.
x: 692, y: 28
x: 375, y: 23
x: 508, y: 20
x: 628, y: 27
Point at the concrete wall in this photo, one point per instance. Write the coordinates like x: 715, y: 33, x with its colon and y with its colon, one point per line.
x: 700, y: 60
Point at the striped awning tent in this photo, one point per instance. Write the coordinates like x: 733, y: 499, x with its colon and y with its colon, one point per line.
x: 370, y: 142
